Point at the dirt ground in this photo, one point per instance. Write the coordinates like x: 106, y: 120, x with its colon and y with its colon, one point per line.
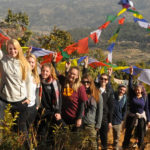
x: 146, y: 141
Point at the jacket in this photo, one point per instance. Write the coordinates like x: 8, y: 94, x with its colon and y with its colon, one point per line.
x: 93, y: 112
x: 12, y: 87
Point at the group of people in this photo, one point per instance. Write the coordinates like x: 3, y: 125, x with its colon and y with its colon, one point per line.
x: 50, y: 98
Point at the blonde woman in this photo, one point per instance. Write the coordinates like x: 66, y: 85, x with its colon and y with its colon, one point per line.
x: 34, y: 104
x: 15, y: 86
x: 73, y: 98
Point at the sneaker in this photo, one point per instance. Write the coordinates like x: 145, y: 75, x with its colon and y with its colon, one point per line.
x: 135, y: 145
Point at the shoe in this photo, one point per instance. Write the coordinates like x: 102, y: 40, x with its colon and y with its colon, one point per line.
x: 135, y: 145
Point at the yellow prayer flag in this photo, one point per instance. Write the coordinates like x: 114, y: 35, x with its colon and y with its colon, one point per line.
x: 122, y: 11
x: 61, y: 66
x: 113, y: 38
x: 139, y: 16
x: 25, y: 48
x: 121, y: 68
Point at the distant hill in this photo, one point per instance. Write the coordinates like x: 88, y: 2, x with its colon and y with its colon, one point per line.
x: 69, y: 14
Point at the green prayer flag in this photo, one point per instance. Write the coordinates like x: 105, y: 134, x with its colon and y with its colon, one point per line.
x: 133, y: 11
x: 111, y: 18
x: 64, y: 54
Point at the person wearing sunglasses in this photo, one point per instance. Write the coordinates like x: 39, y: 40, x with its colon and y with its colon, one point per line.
x: 93, y: 110
x: 106, y: 90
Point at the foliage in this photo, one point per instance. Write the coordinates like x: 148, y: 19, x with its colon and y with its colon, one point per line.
x: 16, y: 26
x: 10, y: 140
x: 56, y: 39
x: 17, y: 18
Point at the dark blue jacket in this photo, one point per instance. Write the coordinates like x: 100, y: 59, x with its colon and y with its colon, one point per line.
x: 120, y: 107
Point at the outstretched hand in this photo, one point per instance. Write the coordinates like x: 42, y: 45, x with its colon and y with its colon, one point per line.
x: 86, y: 60
x: 68, y: 65
x: 131, y: 70
x: 110, y: 70
x: 54, y: 57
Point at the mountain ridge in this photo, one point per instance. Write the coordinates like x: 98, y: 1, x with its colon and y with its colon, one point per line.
x: 68, y: 14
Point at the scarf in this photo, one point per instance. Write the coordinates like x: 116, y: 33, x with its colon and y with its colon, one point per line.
x: 56, y: 89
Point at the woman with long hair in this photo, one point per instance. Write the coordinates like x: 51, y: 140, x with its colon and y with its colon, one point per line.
x: 138, y: 113
x: 34, y: 104
x: 93, y: 109
x: 73, y: 98
x: 15, y: 86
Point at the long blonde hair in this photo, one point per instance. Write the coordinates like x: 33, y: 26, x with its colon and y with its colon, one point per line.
x: 77, y: 83
x: 25, y: 67
x: 34, y: 71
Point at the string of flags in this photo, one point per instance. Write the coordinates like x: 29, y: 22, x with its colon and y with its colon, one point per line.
x: 81, y: 47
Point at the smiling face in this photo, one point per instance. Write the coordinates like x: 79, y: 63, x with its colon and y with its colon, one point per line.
x: 122, y: 91
x: 138, y: 91
x: 45, y: 72
x: 73, y: 75
x: 32, y: 62
x: 12, y: 51
x: 103, y: 80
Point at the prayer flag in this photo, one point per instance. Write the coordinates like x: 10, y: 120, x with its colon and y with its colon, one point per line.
x: 71, y: 48
x: 40, y: 52
x: 139, y: 16
x: 113, y: 38
x: 83, y: 46
x: 122, y: 11
x: 105, y: 25
x: 145, y: 76
x: 121, y: 21
x: 95, y: 35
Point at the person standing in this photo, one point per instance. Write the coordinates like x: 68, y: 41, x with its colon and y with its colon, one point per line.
x: 120, y: 107
x: 93, y: 110
x: 108, y: 102
x: 138, y: 113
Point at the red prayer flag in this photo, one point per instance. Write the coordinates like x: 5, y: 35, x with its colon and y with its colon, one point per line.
x: 94, y: 37
x: 97, y: 64
x: 83, y: 46
x: 104, y: 26
x: 71, y: 48
x: 3, y: 39
x: 121, y: 21
x: 59, y: 57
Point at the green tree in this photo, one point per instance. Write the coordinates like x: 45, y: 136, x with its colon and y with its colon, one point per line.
x: 20, y: 18
x: 56, y: 39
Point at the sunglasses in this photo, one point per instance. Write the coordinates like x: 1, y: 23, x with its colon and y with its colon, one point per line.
x: 86, y: 82
x: 105, y: 79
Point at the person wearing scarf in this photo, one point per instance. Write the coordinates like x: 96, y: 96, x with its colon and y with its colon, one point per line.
x: 49, y: 112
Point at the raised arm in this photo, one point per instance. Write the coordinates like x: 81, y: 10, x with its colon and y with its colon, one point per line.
x: 85, y: 68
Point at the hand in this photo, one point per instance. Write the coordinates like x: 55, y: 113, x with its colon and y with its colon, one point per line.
x: 26, y: 101
x: 54, y: 57
x: 148, y: 124
x: 29, y: 51
x: 110, y: 70
x: 68, y: 65
x: 96, y: 129
x: 86, y: 61
x: 78, y: 122
x: 57, y: 116
x: 131, y: 70
x: 109, y: 125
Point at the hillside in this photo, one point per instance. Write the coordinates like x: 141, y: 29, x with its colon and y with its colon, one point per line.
x: 68, y: 14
